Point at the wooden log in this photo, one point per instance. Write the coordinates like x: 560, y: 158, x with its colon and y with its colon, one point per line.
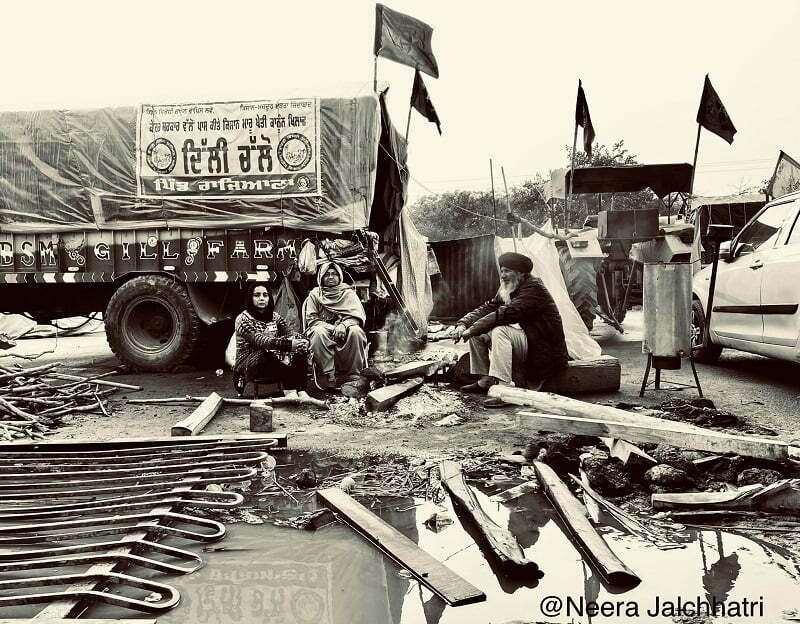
x: 94, y: 380
x: 581, y: 376
x: 503, y: 544
x: 291, y: 400
x: 548, y: 403
x: 416, y: 368
x: 437, y: 577
x: 663, y: 433
x: 780, y: 499
x: 383, y: 398
x: 588, y: 541
x: 29, y: 372
x: 199, y: 418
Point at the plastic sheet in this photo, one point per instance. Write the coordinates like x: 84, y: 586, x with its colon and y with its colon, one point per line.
x: 543, y: 253
x: 415, y: 281
x: 72, y: 170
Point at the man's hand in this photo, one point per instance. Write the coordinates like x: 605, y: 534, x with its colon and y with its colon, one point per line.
x: 462, y: 333
x: 299, y: 344
x: 339, y: 332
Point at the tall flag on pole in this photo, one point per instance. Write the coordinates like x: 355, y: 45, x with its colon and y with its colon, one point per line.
x: 584, y: 120
x: 712, y: 114
x: 404, y: 39
x: 786, y: 178
x: 422, y: 101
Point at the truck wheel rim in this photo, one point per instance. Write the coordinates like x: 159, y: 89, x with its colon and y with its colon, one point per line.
x: 149, y: 325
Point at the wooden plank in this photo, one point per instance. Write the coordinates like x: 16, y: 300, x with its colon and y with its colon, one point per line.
x: 199, y: 418
x: 503, y: 544
x: 548, y: 403
x: 100, y: 382
x: 437, y: 577
x: 588, y: 541
x: 581, y: 376
x: 515, y: 492
x: 412, y: 369
x: 663, y: 433
x: 775, y: 498
x: 72, y: 621
x: 383, y: 398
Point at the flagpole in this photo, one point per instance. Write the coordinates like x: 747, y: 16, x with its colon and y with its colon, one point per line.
x: 568, y: 203
x: 375, y: 75
x: 694, y: 166
x: 494, y: 202
x: 508, y: 209
x: 408, y: 123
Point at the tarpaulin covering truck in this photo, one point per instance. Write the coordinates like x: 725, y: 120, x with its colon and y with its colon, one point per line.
x: 156, y: 214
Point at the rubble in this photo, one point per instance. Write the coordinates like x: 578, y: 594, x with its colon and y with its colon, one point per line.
x: 665, y: 478
x: 764, y: 476
x: 606, y: 474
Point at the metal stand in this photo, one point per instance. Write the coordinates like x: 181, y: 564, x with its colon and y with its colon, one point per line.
x: 674, y: 385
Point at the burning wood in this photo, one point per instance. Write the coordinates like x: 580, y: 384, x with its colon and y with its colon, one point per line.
x: 30, y: 405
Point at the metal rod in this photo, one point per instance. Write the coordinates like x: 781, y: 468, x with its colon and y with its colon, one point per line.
x: 508, y: 208
x: 711, y: 287
x: 694, y: 167
x: 494, y: 201
x: 568, y: 203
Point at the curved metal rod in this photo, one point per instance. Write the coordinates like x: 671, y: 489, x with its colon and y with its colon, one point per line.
x: 133, y: 560
x: 138, y: 546
x: 218, y: 476
x: 173, y: 597
x: 141, y: 450
x: 27, y: 533
x: 211, y: 500
x: 48, y: 466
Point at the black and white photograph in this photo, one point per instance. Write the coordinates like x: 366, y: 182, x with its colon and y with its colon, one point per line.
x: 429, y: 312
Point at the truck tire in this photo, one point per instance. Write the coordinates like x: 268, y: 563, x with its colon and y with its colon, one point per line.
x: 709, y: 352
x: 151, y: 324
x: 580, y: 277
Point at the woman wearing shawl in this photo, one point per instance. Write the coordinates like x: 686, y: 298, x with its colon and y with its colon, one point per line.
x: 333, y: 318
x: 265, y: 347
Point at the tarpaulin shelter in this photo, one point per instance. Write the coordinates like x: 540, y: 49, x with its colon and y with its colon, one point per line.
x: 469, y: 277
x: 662, y: 179
x: 66, y: 170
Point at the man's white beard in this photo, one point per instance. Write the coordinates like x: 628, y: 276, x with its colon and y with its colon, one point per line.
x: 506, y: 288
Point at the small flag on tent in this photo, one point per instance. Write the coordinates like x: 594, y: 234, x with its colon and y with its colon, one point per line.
x: 583, y: 119
x: 712, y: 114
x: 404, y: 39
x: 786, y: 178
x: 422, y: 101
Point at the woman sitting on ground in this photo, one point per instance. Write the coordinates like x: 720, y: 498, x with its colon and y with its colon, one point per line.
x: 265, y: 347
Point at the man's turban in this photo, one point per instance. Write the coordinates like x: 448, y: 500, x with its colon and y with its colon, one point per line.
x: 515, y: 262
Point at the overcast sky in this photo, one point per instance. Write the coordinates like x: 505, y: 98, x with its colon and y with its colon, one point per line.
x: 508, y: 73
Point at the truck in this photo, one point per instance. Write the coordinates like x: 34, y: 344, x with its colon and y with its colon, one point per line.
x: 157, y: 215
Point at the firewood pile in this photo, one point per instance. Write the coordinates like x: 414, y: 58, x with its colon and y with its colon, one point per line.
x: 34, y: 400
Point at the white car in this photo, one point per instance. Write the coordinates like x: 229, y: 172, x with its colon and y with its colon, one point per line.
x: 757, y: 292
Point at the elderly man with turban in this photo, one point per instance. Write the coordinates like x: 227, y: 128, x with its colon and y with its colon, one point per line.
x: 517, y: 334
x: 333, y: 318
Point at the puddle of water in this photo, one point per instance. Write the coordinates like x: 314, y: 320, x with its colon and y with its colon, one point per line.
x: 278, y: 575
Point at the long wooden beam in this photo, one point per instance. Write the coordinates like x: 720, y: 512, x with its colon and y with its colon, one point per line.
x: 437, y: 577
x: 587, y: 539
x: 76, y: 446
x: 663, y: 433
x: 502, y: 542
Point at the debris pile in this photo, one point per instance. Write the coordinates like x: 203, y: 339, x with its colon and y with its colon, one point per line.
x: 34, y: 400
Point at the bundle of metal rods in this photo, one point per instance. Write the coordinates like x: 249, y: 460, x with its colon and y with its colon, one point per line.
x: 34, y: 400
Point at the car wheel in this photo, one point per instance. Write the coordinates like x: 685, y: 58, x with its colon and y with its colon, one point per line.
x: 706, y: 352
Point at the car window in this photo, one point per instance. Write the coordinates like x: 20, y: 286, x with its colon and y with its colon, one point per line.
x: 794, y: 234
x: 764, y: 231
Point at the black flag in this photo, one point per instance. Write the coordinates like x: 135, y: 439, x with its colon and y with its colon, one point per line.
x: 712, y: 114
x: 422, y: 101
x: 583, y: 119
x: 404, y: 39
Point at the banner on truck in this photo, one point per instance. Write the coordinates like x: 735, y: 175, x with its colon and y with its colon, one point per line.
x: 261, y: 149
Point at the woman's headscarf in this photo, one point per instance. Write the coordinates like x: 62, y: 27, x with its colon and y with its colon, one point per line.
x: 340, y: 299
x: 261, y: 315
